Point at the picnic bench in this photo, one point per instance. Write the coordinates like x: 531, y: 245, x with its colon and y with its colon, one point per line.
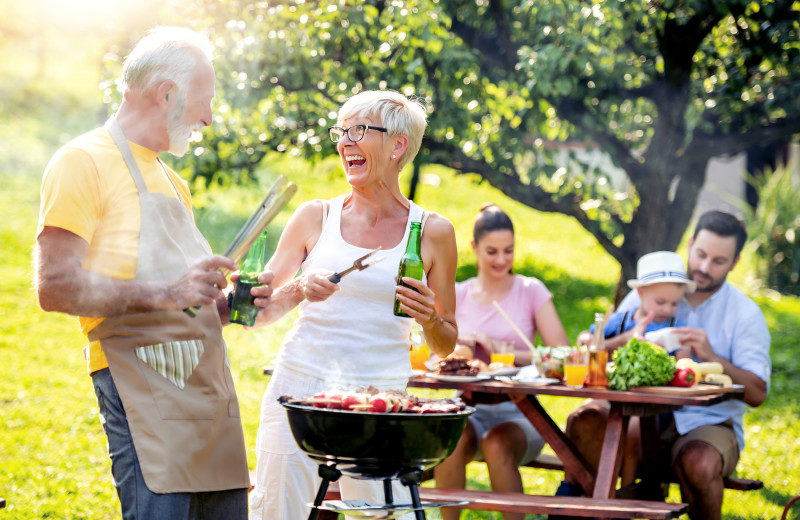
x: 552, y: 462
x: 541, y: 504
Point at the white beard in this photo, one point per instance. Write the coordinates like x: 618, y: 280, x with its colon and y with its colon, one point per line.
x: 179, y: 136
x: 178, y: 132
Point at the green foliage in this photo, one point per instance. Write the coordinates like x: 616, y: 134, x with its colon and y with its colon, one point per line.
x: 774, y: 228
x: 657, y: 87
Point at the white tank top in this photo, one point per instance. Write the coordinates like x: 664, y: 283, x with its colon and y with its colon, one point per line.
x: 352, y: 339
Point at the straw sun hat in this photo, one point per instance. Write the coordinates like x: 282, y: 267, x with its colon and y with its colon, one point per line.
x: 660, y: 267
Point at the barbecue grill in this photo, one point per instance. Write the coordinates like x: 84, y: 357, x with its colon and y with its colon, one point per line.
x: 378, y: 446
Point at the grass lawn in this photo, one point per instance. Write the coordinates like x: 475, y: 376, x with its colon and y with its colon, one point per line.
x: 52, y: 447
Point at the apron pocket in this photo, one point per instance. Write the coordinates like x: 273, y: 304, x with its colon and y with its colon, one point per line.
x: 175, y: 360
x: 167, y: 367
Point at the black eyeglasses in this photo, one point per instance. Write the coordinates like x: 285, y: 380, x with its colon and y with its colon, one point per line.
x: 354, y: 133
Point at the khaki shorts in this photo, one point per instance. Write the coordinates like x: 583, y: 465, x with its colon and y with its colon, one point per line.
x: 720, y: 436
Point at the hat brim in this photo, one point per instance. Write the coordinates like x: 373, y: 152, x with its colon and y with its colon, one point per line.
x: 690, y: 285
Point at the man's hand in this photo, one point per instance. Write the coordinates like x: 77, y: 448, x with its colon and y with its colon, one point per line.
x: 201, y: 284
x: 696, y: 340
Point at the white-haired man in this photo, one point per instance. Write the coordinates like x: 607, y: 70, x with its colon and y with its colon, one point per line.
x: 117, y: 246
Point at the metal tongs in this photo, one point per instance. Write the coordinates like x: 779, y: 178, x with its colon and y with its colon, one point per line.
x: 358, y: 264
x: 275, y: 200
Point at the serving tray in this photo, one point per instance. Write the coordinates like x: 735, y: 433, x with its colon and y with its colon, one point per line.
x: 698, y: 389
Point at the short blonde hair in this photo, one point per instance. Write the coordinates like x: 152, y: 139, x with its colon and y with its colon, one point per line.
x: 166, y: 53
x: 399, y: 114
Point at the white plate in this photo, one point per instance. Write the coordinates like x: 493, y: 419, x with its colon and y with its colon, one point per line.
x: 457, y: 379
x: 537, y: 381
x: 415, y: 372
x: 508, y: 371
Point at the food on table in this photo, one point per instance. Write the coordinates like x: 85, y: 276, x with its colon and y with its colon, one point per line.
x: 722, y: 379
x: 550, y: 361
x: 640, y: 363
x: 702, y: 371
x: 463, y: 351
x: 684, y: 377
x: 372, y: 400
x: 459, y: 366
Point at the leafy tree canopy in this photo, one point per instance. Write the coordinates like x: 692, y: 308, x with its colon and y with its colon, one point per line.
x: 517, y: 92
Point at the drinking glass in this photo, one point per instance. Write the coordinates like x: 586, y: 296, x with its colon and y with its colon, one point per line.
x: 503, y: 352
x: 576, y: 365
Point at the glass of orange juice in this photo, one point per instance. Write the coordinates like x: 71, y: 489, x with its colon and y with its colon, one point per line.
x: 419, y: 355
x: 503, y: 352
x: 576, y: 365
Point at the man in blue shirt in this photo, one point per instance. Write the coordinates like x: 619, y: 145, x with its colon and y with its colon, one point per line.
x: 724, y: 325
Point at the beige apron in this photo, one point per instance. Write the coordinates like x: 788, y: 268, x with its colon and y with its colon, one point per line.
x: 171, y: 370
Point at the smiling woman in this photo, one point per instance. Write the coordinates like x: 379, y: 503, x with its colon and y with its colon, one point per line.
x: 376, y: 134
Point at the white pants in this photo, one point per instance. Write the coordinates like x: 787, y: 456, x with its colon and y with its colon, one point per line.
x: 287, y: 479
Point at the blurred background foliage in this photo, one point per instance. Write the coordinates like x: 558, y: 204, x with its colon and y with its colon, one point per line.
x: 774, y: 227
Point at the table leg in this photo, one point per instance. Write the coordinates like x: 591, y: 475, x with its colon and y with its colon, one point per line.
x: 611, y: 456
x: 650, y: 487
x: 574, y: 463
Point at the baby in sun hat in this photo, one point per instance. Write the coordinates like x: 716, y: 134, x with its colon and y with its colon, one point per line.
x: 661, y: 282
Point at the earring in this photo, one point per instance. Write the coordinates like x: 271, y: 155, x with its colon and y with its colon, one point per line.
x: 394, y: 156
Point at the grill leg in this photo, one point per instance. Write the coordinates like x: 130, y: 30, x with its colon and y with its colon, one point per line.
x: 411, y: 480
x: 418, y: 513
x: 329, y: 474
x: 387, y: 491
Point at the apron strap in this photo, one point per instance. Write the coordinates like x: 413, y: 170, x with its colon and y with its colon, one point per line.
x: 112, y: 125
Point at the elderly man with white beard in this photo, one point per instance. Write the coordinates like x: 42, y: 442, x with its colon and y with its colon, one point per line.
x: 116, y: 245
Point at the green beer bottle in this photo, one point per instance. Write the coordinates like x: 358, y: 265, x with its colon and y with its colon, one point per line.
x: 411, y: 264
x: 243, y: 308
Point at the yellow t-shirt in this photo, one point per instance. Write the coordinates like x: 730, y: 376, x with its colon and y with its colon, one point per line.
x: 88, y: 190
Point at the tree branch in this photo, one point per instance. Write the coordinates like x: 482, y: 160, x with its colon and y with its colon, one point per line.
x: 708, y: 145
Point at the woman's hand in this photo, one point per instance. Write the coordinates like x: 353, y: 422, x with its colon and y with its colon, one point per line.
x: 420, y: 304
x: 317, y: 287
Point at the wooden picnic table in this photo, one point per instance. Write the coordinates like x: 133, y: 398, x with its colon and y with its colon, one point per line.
x: 646, y: 403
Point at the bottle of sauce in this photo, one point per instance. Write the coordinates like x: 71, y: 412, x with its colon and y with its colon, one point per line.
x: 410, y: 264
x: 243, y: 307
x: 598, y: 356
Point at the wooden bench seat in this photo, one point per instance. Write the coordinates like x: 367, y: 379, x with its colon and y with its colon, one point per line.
x: 552, y: 462
x: 538, y: 504
x: 549, y: 461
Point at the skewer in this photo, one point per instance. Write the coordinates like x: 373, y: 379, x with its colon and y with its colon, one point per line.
x: 314, y: 400
x: 534, y: 354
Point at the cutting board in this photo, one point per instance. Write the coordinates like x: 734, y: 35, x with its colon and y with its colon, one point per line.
x: 698, y: 389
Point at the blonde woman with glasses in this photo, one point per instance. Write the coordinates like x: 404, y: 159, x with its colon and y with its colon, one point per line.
x: 346, y: 334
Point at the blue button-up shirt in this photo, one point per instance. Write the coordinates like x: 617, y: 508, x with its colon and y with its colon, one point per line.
x: 737, y: 331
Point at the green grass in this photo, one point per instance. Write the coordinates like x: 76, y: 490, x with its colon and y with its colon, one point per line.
x: 52, y: 447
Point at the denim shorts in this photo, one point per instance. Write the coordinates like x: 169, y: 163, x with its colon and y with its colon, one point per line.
x: 136, y: 500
